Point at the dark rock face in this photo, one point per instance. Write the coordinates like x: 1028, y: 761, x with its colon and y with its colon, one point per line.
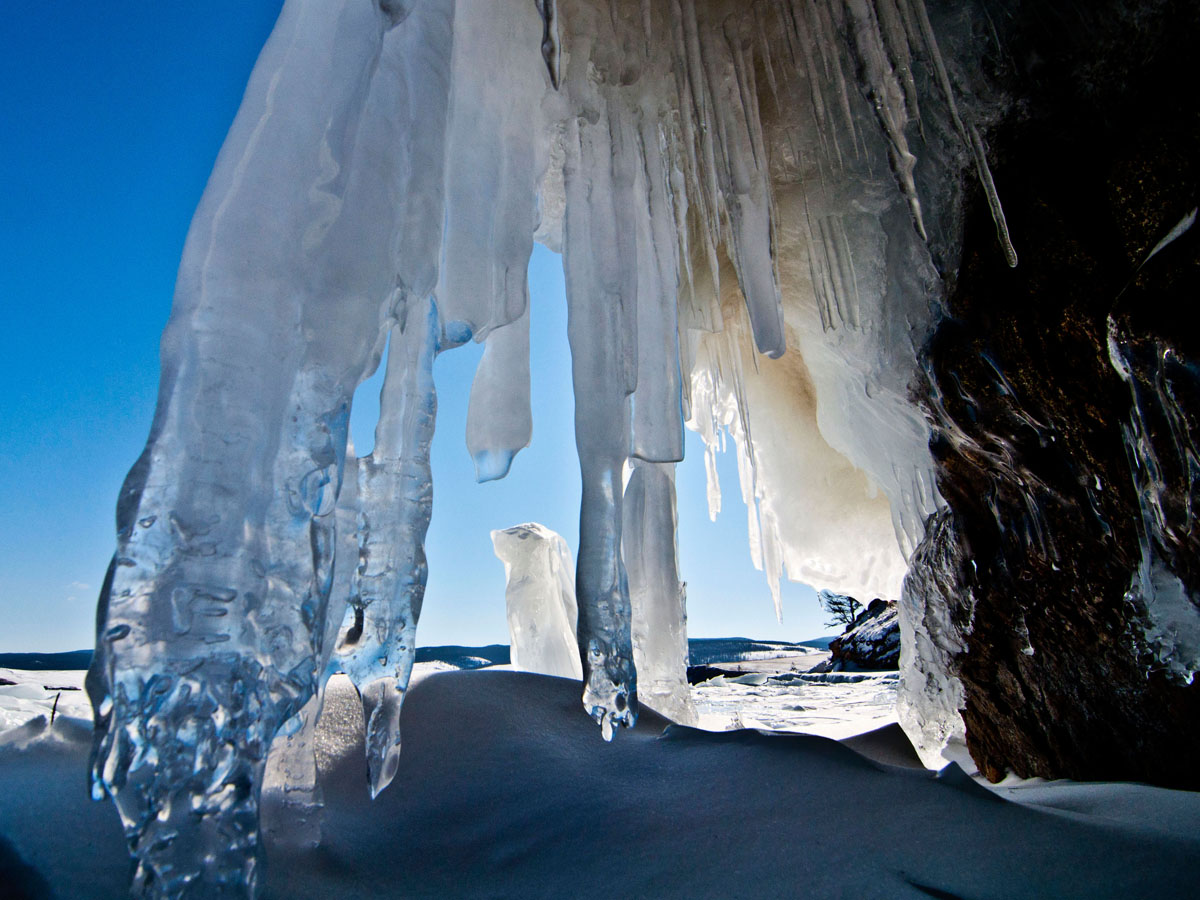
x: 872, y: 642
x: 1069, y: 461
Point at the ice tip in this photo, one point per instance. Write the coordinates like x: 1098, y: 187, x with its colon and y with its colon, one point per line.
x: 610, y: 720
x: 492, y: 465
x: 382, y: 771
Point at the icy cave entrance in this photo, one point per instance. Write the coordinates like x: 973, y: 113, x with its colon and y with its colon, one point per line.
x: 768, y: 683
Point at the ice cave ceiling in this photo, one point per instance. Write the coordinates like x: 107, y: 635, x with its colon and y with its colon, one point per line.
x: 929, y: 265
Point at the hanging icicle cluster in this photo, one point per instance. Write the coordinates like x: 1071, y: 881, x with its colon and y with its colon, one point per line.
x: 739, y: 202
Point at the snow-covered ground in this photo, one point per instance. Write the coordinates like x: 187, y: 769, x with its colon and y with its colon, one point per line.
x: 505, y: 790
x: 26, y: 695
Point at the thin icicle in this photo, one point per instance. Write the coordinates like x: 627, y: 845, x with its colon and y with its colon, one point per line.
x: 499, y: 419
x: 970, y: 137
x: 395, y: 502
x: 993, y: 198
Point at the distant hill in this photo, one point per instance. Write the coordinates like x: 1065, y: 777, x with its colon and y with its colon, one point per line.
x: 42, y: 662
x: 701, y: 651
x: 705, y: 651
x: 821, y: 643
x: 460, y: 657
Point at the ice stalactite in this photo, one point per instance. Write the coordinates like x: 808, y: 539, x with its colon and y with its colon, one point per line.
x: 601, y: 325
x: 657, y: 597
x: 291, y: 794
x: 212, y: 627
x: 499, y: 420
x: 394, y: 503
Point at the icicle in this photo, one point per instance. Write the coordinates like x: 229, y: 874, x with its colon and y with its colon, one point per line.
x: 825, y: 130
x: 827, y: 43
x: 550, y: 46
x: 993, y: 198
x: 292, y: 801
x: 659, y: 616
x: 499, y: 420
x: 212, y: 628
x: 888, y: 101
x: 598, y: 264
x: 495, y: 160
x: 772, y: 557
x: 749, y: 203
x: 395, y: 501
x: 657, y: 413
x: 892, y: 27
x: 970, y: 136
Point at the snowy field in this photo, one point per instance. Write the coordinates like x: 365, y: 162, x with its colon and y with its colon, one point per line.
x: 505, y: 790
x: 835, y: 705
x: 25, y: 695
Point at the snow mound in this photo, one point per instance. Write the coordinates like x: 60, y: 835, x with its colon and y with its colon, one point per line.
x: 506, y: 796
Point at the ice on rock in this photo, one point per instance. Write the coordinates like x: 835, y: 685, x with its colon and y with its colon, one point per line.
x: 931, y: 698
x: 1162, y: 450
x: 540, y: 596
x: 749, y: 199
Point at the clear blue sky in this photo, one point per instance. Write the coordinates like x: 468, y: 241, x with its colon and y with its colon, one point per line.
x: 111, y: 116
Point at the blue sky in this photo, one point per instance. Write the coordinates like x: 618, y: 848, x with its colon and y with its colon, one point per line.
x: 110, y: 120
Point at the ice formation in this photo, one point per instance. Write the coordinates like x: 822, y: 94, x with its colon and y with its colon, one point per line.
x: 540, y: 597
x: 542, y: 610
x: 748, y: 198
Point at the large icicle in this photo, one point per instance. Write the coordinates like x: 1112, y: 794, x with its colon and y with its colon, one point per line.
x: 657, y: 412
x: 657, y: 596
x: 395, y: 501
x: 601, y: 325
x: 495, y: 158
x: 213, y: 623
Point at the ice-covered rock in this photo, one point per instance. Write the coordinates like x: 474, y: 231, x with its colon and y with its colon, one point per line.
x: 540, y: 596
x: 872, y: 642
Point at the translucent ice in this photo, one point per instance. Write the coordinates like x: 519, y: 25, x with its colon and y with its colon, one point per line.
x: 657, y: 597
x: 540, y: 597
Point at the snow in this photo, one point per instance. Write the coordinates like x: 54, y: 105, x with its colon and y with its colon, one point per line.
x: 25, y: 695
x: 831, y: 705
x: 505, y: 795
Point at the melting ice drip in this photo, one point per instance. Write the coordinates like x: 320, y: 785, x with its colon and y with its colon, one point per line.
x: 727, y: 180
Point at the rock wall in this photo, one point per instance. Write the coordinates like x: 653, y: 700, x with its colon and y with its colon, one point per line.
x: 1063, y: 401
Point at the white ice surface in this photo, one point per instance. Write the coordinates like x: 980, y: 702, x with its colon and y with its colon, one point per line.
x: 33, y: 695
x: 838, y: 705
